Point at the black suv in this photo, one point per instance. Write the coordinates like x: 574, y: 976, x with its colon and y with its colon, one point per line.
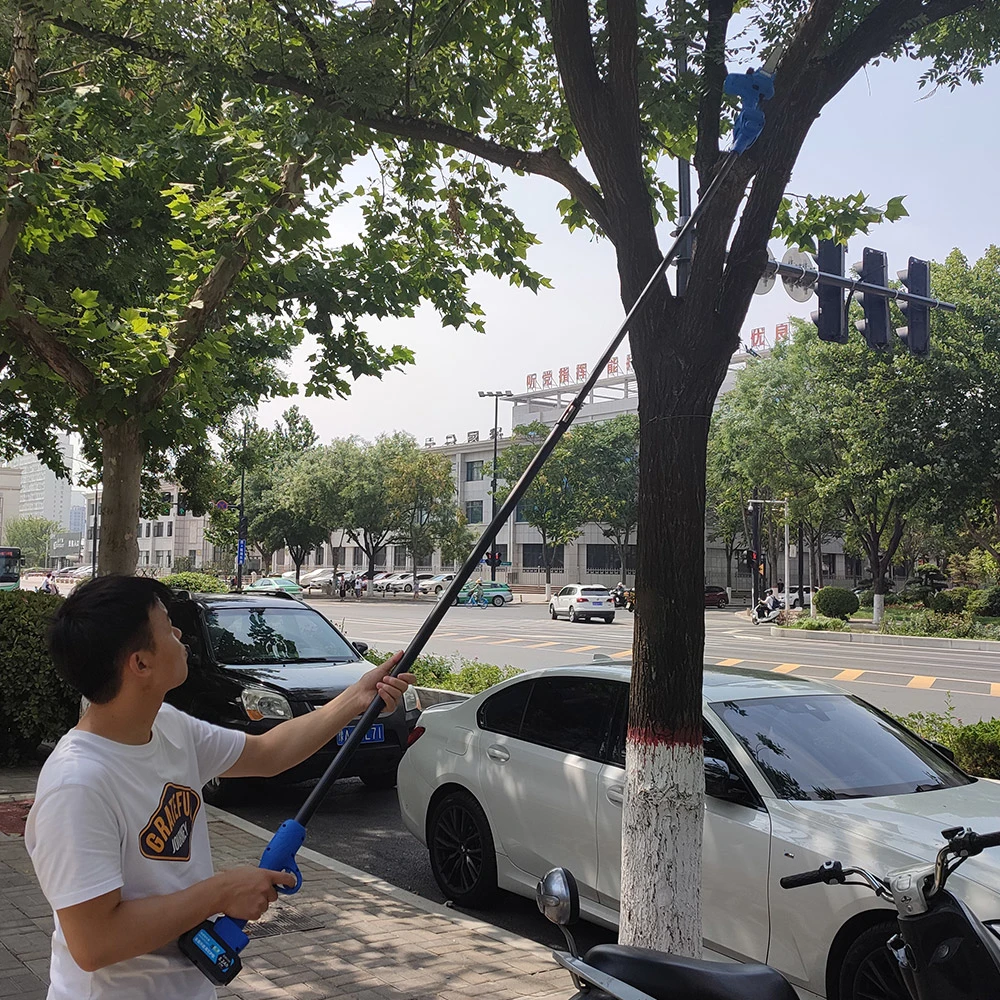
x: 255, y: 661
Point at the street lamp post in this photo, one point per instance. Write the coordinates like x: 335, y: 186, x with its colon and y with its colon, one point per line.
x: 496, y: 394
x: 241, y: 532
x: 93, y: 568
x: 780, y: 503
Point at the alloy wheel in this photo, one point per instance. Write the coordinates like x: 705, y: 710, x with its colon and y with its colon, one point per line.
x: 458, y: 849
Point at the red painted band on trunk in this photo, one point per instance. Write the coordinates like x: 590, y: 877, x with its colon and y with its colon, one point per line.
x: 657, y: 736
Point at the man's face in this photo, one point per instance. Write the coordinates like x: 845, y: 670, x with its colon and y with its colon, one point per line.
x: 168, y: 654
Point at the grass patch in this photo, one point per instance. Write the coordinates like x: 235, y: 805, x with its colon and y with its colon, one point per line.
x: 452, y: 673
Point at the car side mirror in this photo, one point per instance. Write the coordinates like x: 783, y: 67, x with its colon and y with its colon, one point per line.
x: 558, y: 897
x: 721, y: 783
x: 360, y: 645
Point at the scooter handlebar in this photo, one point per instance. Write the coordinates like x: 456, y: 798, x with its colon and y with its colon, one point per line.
x: 830, y: 872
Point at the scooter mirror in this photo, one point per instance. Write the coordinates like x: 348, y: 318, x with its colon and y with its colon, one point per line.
x: 558, y: 898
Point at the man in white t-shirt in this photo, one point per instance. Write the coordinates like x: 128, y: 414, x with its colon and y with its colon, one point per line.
x: 117, y: 833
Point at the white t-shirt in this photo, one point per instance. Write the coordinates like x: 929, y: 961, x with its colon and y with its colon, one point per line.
x: 109, y: 815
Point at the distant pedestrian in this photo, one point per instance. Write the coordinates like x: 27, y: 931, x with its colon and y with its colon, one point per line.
x: 253, y: 577
x: 342, y: 583
x: 358, y: 587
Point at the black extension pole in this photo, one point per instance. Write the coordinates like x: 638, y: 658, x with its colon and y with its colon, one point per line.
x: 507, y: 508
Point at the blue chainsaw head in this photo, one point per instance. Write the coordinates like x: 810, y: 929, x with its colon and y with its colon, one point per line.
x: 752, y: 88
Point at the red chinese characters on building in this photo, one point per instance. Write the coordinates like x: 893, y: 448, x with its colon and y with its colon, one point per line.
x: 780, y: 333
x: 547, y: 380
x: 581, y: 373
x: 613, y: 367
x: 532, y: 381
x: 757, y: 337
x: 564, y: 376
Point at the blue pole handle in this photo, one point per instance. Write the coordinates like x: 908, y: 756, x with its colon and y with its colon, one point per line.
x: 279, y: 855
x: 751, y: 88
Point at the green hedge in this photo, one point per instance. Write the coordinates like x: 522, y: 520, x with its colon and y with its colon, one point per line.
x: 951, y: 601
x: 976, y: 747
x: 198, y: 583
x: 925, y: 622
x: 36, y: 703
x: 985, y: 602
x: 836, y: 602
x: 452, y: 673
x: 821, y: 623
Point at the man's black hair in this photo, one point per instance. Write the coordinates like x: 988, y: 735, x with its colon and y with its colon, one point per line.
x: 98, y: 626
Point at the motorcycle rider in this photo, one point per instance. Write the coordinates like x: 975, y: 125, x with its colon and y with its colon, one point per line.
x: 619, y: 594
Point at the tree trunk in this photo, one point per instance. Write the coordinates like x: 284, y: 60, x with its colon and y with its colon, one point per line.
x: 664, y: 802
x: 122, y: 453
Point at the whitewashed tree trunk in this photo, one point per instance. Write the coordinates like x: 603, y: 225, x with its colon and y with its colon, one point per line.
x: 878, y: 608
x: 662, y: 825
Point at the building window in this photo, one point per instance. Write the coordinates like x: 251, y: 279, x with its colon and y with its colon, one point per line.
x: 380, y: 558
x: 337, y: 556
x: 474, y: 511
x: 145, y: 558
x: 830, y: 563
x: 149, y: 528
x: 279, y: 557
x: 358, y: 558
x: 319, y: 556
x: 604, y: 558
x: 157, y: 529
x: 90, y: 532
x: 531, y: 556
x: 168, y: 559
x: 473, y: 471
x: 170, y: 528
x: 193, y: 557
x: 399, y: 555
x: 519, y: 514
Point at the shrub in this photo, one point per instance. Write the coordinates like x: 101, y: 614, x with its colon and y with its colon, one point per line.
x: 926, y: 622
x: 198, y: 583
x: 821, y: 624
x: 836, y: 602
x: 977, y: 748
x: 452, y: 673
x: 950, y: 601
x: 866, y: 599
x: 985, y: 602
x: 37, y: 704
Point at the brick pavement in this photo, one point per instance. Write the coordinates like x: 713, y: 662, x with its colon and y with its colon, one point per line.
x: 346, y: 934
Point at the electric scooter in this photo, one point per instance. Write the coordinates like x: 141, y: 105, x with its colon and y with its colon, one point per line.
x: 763, y: 615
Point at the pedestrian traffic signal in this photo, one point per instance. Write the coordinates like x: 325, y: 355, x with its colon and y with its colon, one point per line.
x: 493, y: 558
x: 182, y: 504
x: 917, y: 332
x: 874, y: 270
x: 831, y: 323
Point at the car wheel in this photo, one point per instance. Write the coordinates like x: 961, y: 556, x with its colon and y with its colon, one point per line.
x: 380, y: 779
x: 722, y: 603
x: 795, y: 603
x: 408, y: 589
x: 463, y: 858
x: 869, y: 970
x: 498, y: 601
x: 438, y: 589
x: 573, y: 615
x: 552, y: 612
x: 225, y: 791
x: 609, y: 619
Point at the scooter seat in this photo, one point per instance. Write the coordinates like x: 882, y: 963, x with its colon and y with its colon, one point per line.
x: 671, y: 977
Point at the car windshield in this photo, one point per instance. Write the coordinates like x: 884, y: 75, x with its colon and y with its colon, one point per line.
x: 593, y: 590
x: 275, y: 635
x: 831, y: 746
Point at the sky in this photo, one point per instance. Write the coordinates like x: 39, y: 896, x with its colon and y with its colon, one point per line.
x: 881, y: 135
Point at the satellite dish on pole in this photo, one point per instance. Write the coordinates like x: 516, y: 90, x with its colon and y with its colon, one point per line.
x: 767, y: 279
x: 794, y: 284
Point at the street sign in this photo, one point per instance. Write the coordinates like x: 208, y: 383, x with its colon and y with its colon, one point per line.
x: 241, y: 551
x: 221, y: 505
x: 506, y: 564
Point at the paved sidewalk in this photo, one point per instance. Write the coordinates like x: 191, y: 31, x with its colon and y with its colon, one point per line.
x: 346, y: 933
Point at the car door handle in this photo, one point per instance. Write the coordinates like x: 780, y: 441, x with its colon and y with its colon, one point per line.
x: 616, y: 795
x: 498, y: 754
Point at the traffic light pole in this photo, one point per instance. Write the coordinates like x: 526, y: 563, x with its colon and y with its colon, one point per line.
x: 241, y: 531
x: 493, y: 483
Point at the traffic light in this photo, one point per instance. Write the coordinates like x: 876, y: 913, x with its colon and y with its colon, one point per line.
x: 874, y: 270
x: 917, y: 332
x: 494, y: 558
x: 749, y: 557
x: 762, y: 567
x: 831, y: 323
x: 181, y: 504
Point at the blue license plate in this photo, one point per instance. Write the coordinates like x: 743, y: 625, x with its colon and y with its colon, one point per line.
x: 597, y: 604
x: 374, y: 735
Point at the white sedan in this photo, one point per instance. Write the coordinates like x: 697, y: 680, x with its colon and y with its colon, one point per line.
x: 530, y: 774
x: 581, y: 602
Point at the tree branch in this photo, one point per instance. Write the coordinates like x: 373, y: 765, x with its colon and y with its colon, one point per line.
x: 545, y: 163
x: 292, y: 18
x: 45, y: 346
x: 212, y: 291
x: 623, y: 60
x: 709, y: 114
x: 24, y: 80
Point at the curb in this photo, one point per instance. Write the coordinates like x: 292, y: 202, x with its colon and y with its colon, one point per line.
x: 380, y: 885
x: 878, y: 639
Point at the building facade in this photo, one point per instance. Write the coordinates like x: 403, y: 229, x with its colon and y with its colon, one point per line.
x: 10, y: 494
x: 43, y: 493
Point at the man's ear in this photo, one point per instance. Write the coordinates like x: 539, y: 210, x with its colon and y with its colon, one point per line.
x: 135, y: 664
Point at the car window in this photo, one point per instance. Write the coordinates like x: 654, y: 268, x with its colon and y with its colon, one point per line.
x: 565, y: 591
x: 829, y: 746
x: 572, y: 714
x: 275, y: 635
x: 593, y: 590
x: 502, y: 713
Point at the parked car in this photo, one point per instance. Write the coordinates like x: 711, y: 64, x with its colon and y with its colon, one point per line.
x: 319, y: 579
x: 807, y: 593
x: 496, y: 593
x: 255, y: 661
x: 386, y: 581
x: 276, y: 583
x: 715, y: 597
x: 405, y: 583
x: 796, y: 772
x: 583, y: 601
x: 436, y: 583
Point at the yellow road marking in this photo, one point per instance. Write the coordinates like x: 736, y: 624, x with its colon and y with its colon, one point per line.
x: 921, y: 681
x: 472, y: 638
x: 501, y: 642
x: 848, y: 675
x: 995, y: 690
x: 580, y: 649
x: 785, y: 668
x: 539, y: 645
x: 624, y: 654
x: 728, y: 663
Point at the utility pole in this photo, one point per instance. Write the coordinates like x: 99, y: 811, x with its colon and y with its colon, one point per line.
x: 755, y: 578
x: 93, y: 568
x: 788, y: 576
x: 496, y: 394
x: 801, y: 554
x: 241, y: 534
